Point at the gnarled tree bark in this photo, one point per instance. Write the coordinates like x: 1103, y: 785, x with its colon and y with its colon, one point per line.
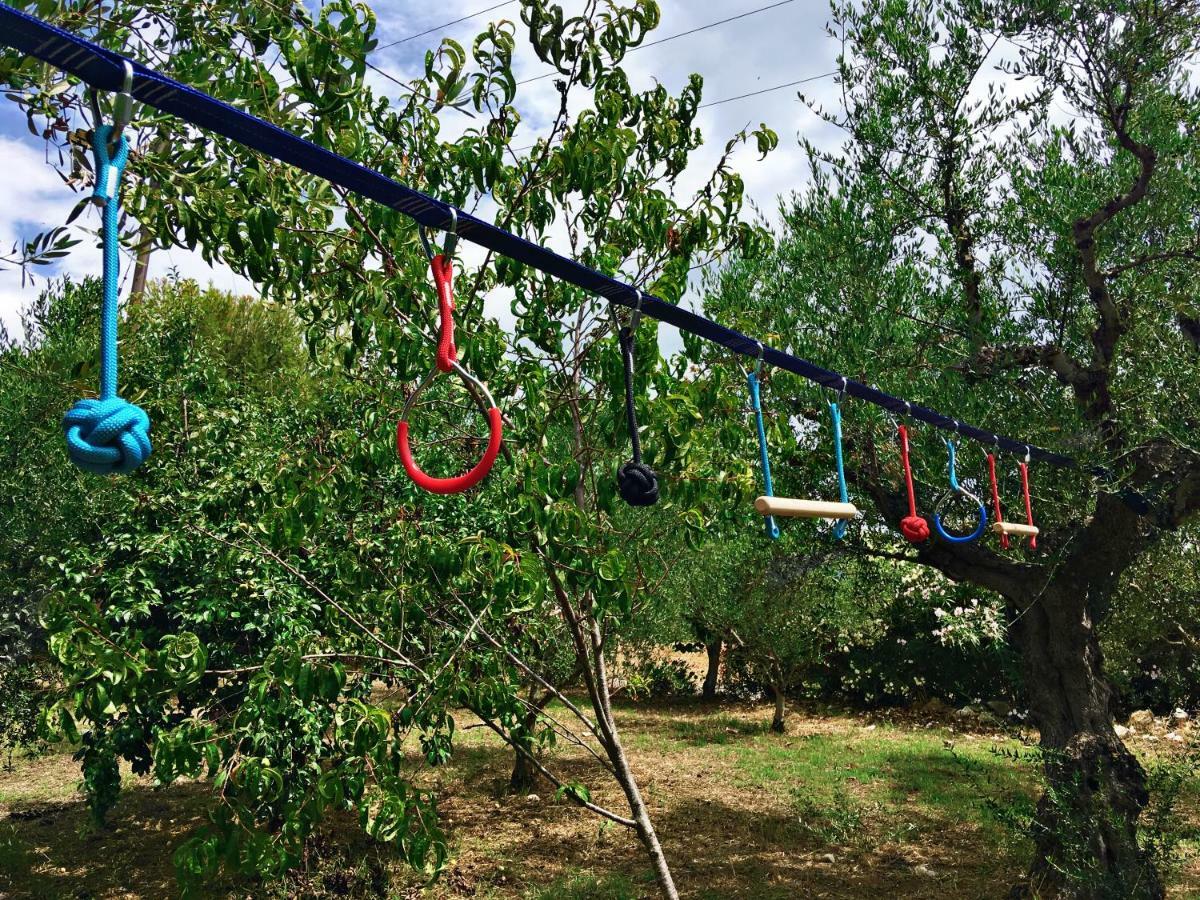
x: 713, y: 649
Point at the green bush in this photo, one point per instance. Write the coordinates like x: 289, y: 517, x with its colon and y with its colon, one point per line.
x: 1152, y: 633
x: 653, y: 678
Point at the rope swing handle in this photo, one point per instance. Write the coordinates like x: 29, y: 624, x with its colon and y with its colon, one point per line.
x: 637, y: 483
x: 1024, y: 467
x: 908, y: 479
x: 835, y: 412
x: 108, y: 434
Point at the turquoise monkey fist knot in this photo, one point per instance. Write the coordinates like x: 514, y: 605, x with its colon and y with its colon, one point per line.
x: 107, y: 436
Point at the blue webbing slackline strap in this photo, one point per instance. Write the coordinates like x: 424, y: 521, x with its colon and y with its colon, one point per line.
x: 108, y: 434
x: 104, y: 70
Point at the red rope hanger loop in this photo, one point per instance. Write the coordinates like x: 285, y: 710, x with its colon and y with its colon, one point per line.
x: 991, y: 460
x: 443, y: 277
x: 447, y: 361
x: 1024, y: 466
x: 442, y: 266
x: 914, y: 528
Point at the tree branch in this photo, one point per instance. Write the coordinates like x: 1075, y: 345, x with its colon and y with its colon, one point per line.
x: 1099, y: 403
x: 1052, y: 357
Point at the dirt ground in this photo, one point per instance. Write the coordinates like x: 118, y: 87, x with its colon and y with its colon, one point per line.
x: 841, y: 806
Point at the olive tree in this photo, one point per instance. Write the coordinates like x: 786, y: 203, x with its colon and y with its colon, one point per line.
x: 1008, y: 234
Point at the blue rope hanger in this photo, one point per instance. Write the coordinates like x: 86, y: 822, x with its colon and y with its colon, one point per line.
x: 956, y: 491
x: 104, y: 70
x: 835, y: 412
x: 771, y: 527
x: 108, y: 435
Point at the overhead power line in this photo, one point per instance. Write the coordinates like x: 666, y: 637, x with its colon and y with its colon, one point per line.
x: 716, y: 24
x: 778, y: 87
x: 674, y: 37
x: 437, y: 28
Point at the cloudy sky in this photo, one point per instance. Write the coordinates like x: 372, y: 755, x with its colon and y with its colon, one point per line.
x: 760, y: 50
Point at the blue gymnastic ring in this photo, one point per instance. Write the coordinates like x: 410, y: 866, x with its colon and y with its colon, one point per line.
x: 959, y: 538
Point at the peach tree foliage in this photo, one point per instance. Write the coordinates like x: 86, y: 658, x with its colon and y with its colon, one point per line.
x: 972, y: 248
x: 232, y: 621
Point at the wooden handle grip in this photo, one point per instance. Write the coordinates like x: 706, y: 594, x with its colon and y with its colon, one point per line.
x: 804, y: 509
x: 1014, y: 528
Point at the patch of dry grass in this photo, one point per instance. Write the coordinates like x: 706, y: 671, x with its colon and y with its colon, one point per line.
x: 840, y: 806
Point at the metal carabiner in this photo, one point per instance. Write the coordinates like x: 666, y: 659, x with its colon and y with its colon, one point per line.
x: 109, y: 143
x: 459, y: 483
x: 122, y: 105
x: 957, y: 490
x: 448, y: 245
x: 637, y: 312
x: 636, y: 318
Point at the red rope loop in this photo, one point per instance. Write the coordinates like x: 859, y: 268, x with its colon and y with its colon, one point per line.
x: 991, y: 458
x: 914, y: 528
x: 1028, y: 502
x: 443, y: 277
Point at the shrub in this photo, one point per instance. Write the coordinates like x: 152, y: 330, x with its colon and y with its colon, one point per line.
x: 655, y: 677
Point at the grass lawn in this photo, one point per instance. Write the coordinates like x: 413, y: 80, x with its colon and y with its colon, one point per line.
x: 841, y: 806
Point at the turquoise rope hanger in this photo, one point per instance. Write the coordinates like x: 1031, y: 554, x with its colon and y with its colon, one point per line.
x: 957, y: 490
x: 756, y: 401
x: 108, y: 434
x: 839, y: 528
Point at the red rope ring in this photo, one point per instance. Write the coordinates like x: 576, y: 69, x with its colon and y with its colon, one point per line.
x: 459, y: 483
x: 442, y: 267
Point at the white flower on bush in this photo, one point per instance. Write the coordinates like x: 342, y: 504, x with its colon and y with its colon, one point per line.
x: 971, y: 625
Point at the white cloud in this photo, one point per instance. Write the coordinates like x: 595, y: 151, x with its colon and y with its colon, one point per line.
x: 36, y: 200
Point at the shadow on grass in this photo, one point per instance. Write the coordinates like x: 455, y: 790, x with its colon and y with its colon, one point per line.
x: 53, y: 850
x: 719, y: 730
x: 723, y: 840
x: 777, y: 855
x: 589, y: 886
x: 899, y: 814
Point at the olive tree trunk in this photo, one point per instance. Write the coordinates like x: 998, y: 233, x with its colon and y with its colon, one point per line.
x: 1085, y: 833
x: 777, y: 722
x: 714, y: 667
